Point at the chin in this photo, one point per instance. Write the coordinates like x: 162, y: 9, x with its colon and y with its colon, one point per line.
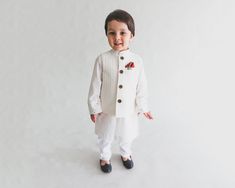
x: 118, y: 49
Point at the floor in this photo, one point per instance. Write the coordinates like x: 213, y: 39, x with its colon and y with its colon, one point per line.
x: 164, y: 157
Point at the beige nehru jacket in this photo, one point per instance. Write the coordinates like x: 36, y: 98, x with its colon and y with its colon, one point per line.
x: 115, y: 89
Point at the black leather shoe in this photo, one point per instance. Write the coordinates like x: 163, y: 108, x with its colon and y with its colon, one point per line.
x: 128, y: 163
x: 107, y: 168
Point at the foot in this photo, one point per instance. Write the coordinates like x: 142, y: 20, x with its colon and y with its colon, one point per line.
x: 127, y: 162
x: 105, y: 166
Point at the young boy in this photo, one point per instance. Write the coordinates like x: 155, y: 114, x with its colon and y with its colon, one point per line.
x: 118, y: 91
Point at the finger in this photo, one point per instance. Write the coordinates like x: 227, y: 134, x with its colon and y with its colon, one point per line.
x: 150, y: 116
x: 93, y: 118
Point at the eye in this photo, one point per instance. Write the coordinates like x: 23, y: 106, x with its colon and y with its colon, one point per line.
x: 123, y: 33
x: 111, y: 33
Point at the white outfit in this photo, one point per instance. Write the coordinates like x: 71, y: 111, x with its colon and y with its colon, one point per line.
x: 105, y: 148
x: 119, y: 93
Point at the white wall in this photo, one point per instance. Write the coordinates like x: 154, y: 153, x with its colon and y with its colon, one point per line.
x: 47, y: 51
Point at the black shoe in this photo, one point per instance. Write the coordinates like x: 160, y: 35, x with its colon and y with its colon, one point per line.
x: 128, y: 163
x: 107, y: 168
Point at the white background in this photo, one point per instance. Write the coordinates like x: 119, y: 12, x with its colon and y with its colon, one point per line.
x: 47, y: 52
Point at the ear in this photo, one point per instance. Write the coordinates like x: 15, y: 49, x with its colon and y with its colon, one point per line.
x: 132, y: 36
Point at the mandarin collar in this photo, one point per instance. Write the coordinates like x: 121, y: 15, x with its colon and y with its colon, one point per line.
x: 120, y: 52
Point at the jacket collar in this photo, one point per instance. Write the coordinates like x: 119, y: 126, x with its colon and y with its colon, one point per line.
x: 119, y: 53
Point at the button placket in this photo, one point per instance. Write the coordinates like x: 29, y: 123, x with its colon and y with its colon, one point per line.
x: 121, y: 58
x: 120, y: 80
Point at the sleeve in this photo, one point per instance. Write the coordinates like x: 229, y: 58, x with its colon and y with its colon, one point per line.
x: 142, y: 92
x: 94, y: 102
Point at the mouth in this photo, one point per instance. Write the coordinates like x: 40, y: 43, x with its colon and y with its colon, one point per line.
x: 117, y: 44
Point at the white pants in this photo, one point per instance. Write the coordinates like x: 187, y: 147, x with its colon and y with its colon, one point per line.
x: 105, y: 148
x: 110, y: 127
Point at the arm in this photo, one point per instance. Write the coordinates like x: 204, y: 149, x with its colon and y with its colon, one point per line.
x: 142, y: 94
x: 94, y: 102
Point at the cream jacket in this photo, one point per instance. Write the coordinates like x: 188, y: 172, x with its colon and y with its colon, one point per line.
x: 115, y: 89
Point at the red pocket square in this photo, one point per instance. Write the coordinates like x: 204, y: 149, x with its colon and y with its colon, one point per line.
x: 130, y: 65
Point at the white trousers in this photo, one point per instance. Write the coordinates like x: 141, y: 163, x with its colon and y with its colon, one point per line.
x: 105, y: 148
x: 109, y: 127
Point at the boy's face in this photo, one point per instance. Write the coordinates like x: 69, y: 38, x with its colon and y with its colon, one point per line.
x: 119, y: 36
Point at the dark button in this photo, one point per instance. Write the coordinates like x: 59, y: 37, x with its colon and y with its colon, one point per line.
x: 121, y: 71
x: 120, y: 86
x: 121, y: 57
x: 119, y: 100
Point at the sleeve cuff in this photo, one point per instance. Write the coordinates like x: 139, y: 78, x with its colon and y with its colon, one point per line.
x: 96, y: 111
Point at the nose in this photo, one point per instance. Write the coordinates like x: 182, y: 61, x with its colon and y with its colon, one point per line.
x: 117, y: 37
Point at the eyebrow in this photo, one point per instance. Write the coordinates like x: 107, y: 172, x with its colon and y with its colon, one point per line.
x: 110, y: 29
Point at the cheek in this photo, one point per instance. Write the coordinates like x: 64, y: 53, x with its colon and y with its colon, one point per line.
x: 109, y: 39
x: 127, y: 40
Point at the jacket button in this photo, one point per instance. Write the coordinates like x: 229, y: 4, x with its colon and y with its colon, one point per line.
x: 119, y: 101
x: 121, y: 71
x: 121, y: 57
x: 120, y: 86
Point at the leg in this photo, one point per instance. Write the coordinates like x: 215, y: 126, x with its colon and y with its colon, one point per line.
x: 105, y: 128
x: 105, y: 148
x: 127, y: 130
x: 105, y: 154
x: 125, y: 150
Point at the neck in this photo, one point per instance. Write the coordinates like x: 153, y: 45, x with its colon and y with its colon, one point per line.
x: 120, y: 51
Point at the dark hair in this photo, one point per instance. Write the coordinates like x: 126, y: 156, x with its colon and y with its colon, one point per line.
x: 121, y: 16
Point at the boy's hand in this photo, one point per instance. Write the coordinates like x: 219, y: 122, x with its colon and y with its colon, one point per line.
x: 148, y: 115
x: 94, y: 116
